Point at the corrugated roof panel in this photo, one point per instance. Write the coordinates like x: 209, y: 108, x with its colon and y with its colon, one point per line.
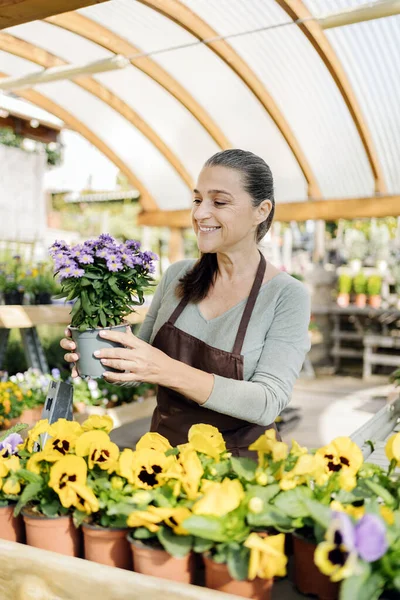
x: 212, y: 83
x: 370, y: 53
x: 175, y: 125
x: 321, y: 8
x: 68, y: 46
x: 127, y: 142
x: 301, y: 85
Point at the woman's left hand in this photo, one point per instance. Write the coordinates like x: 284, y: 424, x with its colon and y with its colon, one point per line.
x: 137, y: 361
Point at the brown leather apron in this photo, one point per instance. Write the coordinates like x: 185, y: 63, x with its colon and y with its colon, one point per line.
x: 175, y: 414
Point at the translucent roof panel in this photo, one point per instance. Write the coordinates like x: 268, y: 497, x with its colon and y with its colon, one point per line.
x: 27, y: 110
x: 217, y: 88
x: 299, y: 82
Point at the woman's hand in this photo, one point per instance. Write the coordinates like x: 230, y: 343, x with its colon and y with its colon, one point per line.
x: 137, y: 360
x: 71, y: 357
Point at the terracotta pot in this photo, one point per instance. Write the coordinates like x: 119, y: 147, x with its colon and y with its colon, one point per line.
x: 343, y: 300
x: 218, y: 578
x: 361, y: 300
x: 30, y: 416
x: 307, y: 577
x: 11, y: 528
x: 157, y: 562
x: 107, y: 546
x: 57, y: 534
x: 375, y: 301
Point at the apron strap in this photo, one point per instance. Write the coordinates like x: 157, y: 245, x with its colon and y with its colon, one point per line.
x: 178, y: 311
x: 237, y: 348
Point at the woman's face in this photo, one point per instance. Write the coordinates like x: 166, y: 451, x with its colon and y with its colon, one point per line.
x: 223, y: 216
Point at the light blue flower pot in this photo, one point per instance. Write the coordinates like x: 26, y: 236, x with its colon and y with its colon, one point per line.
x: 87, y: 342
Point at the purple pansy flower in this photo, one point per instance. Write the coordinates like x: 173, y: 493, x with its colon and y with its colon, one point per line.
x: 9, y: 445
x: 367, y: 537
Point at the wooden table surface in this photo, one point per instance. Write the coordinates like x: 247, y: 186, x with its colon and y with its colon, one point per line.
x: 22, y: 317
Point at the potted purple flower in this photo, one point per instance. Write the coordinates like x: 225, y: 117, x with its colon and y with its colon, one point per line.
x: 105, y: 280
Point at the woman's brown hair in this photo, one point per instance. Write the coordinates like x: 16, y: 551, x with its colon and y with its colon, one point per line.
x: 259, y: 184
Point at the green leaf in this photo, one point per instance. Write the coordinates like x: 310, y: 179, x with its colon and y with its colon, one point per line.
x: 209, y: 528
x: 238, y: 562
x: 380, y: 491
x: 30, y: 492
x: 103, y: 318
x: 113, y: 285
x: 363, y: 585
x: 30, y: 477
x: 272, y: 517
x: 87, y: 307
x: 78, y: 517
x: 176, y: 545
x: 15, y: 429
x: 292, y: 502
x: 245, y: 468
x: 200, y: 546
x: 142, y: 533
x: 76, y: 307
x: 50, y: 509
x: 266, y: 493
x: 320, y: 513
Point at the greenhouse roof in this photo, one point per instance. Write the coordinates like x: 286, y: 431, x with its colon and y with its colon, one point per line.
x: 317, y: 99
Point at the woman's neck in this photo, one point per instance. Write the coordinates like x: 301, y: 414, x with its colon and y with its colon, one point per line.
x: 238, y: 265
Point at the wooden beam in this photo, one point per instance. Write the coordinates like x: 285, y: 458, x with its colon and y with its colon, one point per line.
x: 318, y: 39
x: 326, y: 210
x: 89, y: 29
x: 33, y: 53
x: 372, y: 11
x: 146, y: 199
x: 183, y: 16
x: 15, y: 12
x: 20, y: 126
x: 175, y: 245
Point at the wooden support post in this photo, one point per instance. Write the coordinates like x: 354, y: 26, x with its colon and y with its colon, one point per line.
x: 175, y: 245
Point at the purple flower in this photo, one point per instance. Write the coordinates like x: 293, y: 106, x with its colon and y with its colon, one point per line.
x: 367, y: 537
x: 106, y: 238
x: 77, y: 251
x: 132, y: 245
x: 102, y: 253
x: 114, y: 265
x: 86, y: 259
x: 77, y: 273
x: 55, y: 373
x: 371, y: 542
x: 9, y: 444
x: 71, y: 270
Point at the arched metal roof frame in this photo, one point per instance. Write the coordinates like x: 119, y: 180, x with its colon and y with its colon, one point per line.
x: 23, y: 49
x: 188, y: 20
x: 317, y: 38
x: 146, y: 199
x: 98, y: 34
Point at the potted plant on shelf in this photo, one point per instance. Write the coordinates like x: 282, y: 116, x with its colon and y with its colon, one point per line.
x: 374, y: 285
x: 34, y: 386
x: 344, y: 288
x: 11, y: 527
x: 105, y: 280
x: 12, y: 281
x: 11, y: 404
x: 360, y: 289
x: 41, y: 284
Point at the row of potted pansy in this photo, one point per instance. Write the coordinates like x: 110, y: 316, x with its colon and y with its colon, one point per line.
x: 23, y: 395
x: 166, y: 509
x: 22, y: 281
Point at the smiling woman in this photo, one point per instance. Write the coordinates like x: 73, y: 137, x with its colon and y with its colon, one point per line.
x: 226, y: 335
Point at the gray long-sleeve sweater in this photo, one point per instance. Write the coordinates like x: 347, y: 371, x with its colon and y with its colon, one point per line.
x: 274, y: 348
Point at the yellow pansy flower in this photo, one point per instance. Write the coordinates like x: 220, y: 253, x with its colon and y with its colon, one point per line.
x: 33, y: 464
x: 176, y: 518
x: 11, y: 487
x: 99, y: 422
x: 142, y: 468
x: 342, y: 454
x: 149, y: 518
x: 117, y: 483
x: 63, y: 436
x: 99, y: 449
x: 335, y: 561
x: 153, y: 441
x: 264, y: 445
x: 267, y: 556
x: 220, y: 498
x: 297, y: 450
x: 207, y: 439
x: 187, y: 470
x: 307, y: 467
x: 392, y: 448
x: 67, y: 470
x: 280, y: 451
x: 86, y: 501
x: 37, y: 430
